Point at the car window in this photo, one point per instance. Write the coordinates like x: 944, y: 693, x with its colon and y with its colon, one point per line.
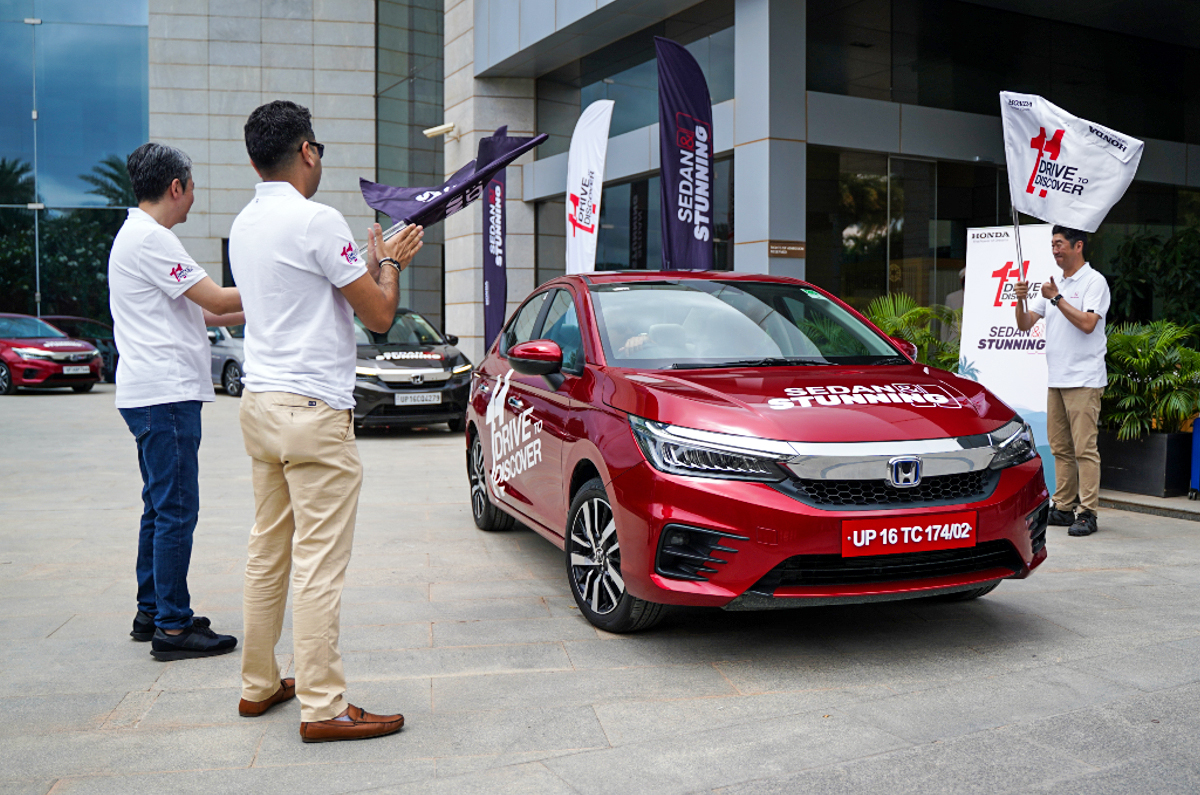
x: 237, y: 332
x: 520, y: 328
x: 95, y: 330
x: 408, y: 328
x: 562, y: 326
x: 216, y: 331
x: 27, y: 328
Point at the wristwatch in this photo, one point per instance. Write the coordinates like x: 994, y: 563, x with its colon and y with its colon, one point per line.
x: 1054, y: 301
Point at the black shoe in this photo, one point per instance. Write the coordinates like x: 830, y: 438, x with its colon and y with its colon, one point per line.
x: 1085, y: 524
x: 143, y: 625
x: 1061, y: 518
x: 195, y: 641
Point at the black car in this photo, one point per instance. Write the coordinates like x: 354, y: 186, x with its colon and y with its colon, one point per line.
x: 412, y: 375
x: 97, y: 332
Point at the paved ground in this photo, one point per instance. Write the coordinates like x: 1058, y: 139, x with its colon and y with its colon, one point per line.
x: 1085, y: 678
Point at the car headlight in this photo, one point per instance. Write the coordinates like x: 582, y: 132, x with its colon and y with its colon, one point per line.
x: 33, y: 353
x: 366, y: 372
x: 718, y: 455
x: 1014, y: 444
x: 462, y: 368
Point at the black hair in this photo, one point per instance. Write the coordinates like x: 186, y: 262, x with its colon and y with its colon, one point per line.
x: 153, y: 167
x: 1073, y: 236
x: 275, y: 132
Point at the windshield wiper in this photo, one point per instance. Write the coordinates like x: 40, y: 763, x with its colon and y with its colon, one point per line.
x: 774, y: 361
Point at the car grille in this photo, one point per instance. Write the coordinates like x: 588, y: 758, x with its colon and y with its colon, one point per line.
x: 962, y: 487
x: 814, y: 570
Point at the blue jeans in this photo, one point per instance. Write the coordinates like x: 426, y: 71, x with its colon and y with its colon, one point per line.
x: 168, y: 444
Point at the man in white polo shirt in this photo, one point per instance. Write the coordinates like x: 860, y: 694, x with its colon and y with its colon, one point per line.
x: 301, y: 283
x: 1074, y: 308
x: 156, y: 294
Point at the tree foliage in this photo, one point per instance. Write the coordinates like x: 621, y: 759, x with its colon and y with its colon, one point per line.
x: 899, y: 315
x: 1153, y: 379
x: 110, y: 181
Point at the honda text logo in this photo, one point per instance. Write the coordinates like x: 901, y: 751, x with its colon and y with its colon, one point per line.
x: 904, y: 473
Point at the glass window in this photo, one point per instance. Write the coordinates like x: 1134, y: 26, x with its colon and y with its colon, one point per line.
x: 15, y: 10
x: 74, y: 248
x: 16, y: 123
x: 408, y: 328
x: 17, y: 283
x: 562, y: 326
x: 27, y: 328
x: 711, y: 323
x: 520, y: 328
x: 109, y: 12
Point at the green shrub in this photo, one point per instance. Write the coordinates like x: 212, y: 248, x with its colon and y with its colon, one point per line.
x: 1153, y: 379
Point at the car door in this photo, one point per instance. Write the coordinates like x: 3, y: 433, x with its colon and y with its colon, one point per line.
x: 218, y: 353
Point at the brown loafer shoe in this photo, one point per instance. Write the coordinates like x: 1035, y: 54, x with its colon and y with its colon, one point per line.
x: 361, y: 725
x: 252, y: 709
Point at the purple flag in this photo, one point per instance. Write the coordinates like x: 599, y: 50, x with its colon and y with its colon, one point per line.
x: 685, y: 145
x: 495, y: 277
x: 428, y: 206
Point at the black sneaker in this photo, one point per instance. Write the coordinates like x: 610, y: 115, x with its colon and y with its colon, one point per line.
x: 195, y: 641
x: 143, y: 625
x: 1061, y: 518
x: 1085, y: 524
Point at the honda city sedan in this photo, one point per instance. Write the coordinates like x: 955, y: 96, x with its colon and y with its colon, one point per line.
x: 744, y: 442
x: 36, y: 355
x: 227, y: 345
x: 411, y: 375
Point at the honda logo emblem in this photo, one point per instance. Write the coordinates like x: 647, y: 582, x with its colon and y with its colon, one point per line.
x: 418, y: 379
x: 904, y: 473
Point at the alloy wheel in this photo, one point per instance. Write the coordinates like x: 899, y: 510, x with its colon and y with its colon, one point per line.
x: 6, y: 382
x: 232, y: 380
x: 596, y: 556
x: 478, y: 476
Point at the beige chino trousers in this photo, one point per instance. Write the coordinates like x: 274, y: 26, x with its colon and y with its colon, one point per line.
x: 1072, y: 418
x: 307, y: 475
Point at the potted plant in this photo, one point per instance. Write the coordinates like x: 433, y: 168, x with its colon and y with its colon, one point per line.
x: 1152, y: 396
x: 899, y: 315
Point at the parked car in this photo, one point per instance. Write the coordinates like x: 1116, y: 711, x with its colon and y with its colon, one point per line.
x: 36, y: 355
x: 745, y: 442
x: 227, y: 357
x: 412, y: 375
x: 96, y: 332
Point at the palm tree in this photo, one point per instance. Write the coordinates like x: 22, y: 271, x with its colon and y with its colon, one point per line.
x: 16, y: 181
x: 110, y: 180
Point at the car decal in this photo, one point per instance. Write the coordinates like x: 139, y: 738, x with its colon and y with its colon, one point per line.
x: 919, y: 395
x: 516, y: 443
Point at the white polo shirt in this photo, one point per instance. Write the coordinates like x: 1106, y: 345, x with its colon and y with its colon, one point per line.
x: 164, y: 348
x: 290, y: 256
x: 1074, y: 358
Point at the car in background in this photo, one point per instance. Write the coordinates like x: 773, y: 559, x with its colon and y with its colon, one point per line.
x: 36, y: 355
x: 96, y: 332
x: 411, y: 375
x: 228, y: 356
x: 745, y: 442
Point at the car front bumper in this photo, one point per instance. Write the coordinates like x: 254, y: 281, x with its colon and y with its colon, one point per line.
x: 375, y: 403
x: 43, y: 373
x: 776, y: 551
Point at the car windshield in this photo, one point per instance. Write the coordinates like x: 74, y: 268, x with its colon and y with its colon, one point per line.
x: 27, y: 328
x: 408, y: 328
x: 237, y: 332
x: 704, y: 323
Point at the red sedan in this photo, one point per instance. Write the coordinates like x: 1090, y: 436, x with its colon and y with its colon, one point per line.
x: 744, y: 442
x: 34, y: 354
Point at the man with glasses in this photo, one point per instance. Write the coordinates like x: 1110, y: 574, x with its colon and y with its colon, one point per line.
x: 1074, y: 309
x: 301, y: 281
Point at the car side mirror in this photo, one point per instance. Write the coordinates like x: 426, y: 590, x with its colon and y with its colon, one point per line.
x: 536, y: 357
x: 906, y: 347
x: 452, y: 339
x: 212, y: 337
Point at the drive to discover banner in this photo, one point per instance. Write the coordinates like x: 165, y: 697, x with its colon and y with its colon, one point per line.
x: 585, y: 184
x: 994, y: 352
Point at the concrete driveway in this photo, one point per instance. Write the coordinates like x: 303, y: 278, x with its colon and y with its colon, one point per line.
x: 1084, y: 678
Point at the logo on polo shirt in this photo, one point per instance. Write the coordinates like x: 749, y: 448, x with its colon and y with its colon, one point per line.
x: 181, y: 272
x: 350, y: 254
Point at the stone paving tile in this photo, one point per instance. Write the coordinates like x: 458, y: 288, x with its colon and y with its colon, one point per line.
x: 501, y: 631
x: 532, y: 777
x: 329, y: 779
x: 457, y: 661
x: 55, y: 713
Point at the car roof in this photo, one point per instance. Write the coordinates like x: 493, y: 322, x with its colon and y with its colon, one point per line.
x: 14, y: 314
x: 620, y: 277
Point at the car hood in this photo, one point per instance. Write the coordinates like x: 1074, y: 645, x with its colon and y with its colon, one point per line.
x: 408, y: 357
x: 812, y: 404
x: 52, y: 344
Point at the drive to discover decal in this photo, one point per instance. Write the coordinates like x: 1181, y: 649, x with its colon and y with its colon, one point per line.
x: 920, y: 395
x: 516, y: 442
x: 895, y: 534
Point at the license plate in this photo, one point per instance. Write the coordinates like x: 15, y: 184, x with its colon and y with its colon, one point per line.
x: 76, y: 370
x: 419, y: 398
x: 894, y: 534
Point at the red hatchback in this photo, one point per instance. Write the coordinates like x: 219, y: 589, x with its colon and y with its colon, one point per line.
x: 744, y: 442
x: 34, y: 354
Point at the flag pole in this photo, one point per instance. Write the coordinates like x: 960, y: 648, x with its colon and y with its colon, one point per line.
x: 1016, y: 217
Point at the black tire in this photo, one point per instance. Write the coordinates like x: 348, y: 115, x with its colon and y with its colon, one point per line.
x: 81, y: 388
x: 593, y: 558
x: 231, y: 379
x: 966, y: 596
x: 456, y: 426
x: 486, y: 515
x: 7, y: 385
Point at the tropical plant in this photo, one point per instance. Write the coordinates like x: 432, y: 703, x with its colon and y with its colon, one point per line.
x: 1131, y: 275
x: 1175, y: 278
x: 899, y: 315
x: 1153, y: 379
x: 110, y: 181
x: 16, y: 181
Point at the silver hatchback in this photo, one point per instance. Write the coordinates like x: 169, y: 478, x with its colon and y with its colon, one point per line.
x: 227, y: 357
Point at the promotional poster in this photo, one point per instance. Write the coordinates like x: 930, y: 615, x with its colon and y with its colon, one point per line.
x: 495, y: 276
x: 994, y: 352
x: 585, y: 183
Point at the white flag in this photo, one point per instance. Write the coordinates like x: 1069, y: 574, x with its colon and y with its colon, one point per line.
x: 1063, y: 169
x: 585, y: 179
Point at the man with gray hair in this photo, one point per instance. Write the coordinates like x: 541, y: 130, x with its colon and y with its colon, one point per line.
x: 159, y: 298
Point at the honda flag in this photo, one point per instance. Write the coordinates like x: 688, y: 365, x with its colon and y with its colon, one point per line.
x: 685, y: 146
x: 585, y: 179
x: 495, y: 277
x: 1063, y: 169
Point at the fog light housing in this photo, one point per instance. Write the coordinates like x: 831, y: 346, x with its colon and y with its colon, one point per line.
x: 691, y: 553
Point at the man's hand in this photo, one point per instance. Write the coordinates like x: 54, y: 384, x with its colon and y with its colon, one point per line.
x: 402, y: 247
x: 1022, y: 290
x: 1025, y: 319
x: 1049, y: 289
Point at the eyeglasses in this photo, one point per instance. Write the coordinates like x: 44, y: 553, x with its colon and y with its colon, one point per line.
x: 320, y: 148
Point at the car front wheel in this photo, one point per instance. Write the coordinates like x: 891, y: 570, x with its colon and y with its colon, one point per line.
x: 83, y: 387
x: 7, y: 385
x: 486, y: 515
x: 231, y: 379
x: 593, y: 554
